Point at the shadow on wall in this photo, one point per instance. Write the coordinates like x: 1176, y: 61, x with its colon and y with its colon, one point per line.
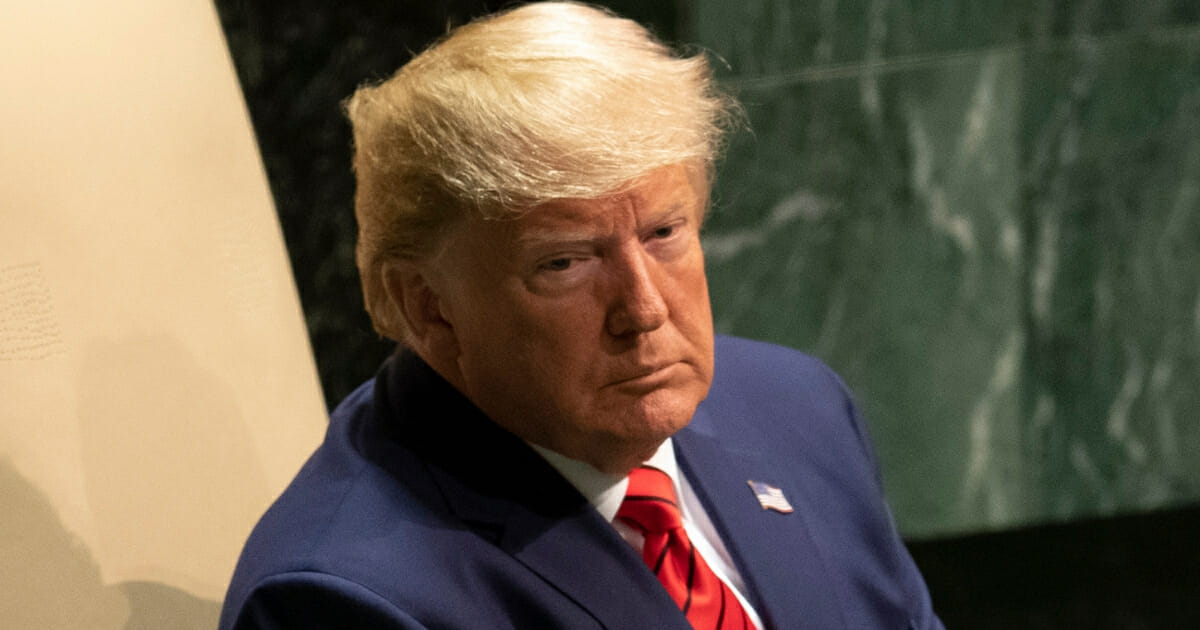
x: 172, y: 483
x: 172, y: 474
x: 58, y: 581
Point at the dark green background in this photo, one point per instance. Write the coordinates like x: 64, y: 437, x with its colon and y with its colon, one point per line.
x: 986, y: 217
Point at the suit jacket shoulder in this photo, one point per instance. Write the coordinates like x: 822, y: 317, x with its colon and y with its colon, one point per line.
x: 782, y: 418
x: 417, y: 511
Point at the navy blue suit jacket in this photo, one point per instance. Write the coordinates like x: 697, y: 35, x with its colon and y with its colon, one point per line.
x: 419, y: 512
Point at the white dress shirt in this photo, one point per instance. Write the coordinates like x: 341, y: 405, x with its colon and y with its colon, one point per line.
x: 606, y: 492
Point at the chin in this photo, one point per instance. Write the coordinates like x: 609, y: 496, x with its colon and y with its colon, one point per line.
x: 627, y: 434
x: 661, y: 414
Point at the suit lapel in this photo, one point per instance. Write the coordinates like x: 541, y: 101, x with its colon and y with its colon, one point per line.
x: 774, y: 552
x: 585, y: 558
x: 554, y: 532
x: 494, y: 483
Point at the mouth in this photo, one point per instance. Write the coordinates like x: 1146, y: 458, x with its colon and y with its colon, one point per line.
x: 646, y: 377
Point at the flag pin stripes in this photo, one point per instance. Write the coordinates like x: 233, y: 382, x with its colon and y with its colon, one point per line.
x: 770, y: 497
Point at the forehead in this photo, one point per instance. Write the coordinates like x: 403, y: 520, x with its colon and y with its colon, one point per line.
x: 492, y: 244
x: 666, y: 191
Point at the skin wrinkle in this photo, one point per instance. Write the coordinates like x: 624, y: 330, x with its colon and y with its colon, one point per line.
x: 583, y: 325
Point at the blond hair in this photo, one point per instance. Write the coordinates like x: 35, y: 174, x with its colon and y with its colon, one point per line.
x: 547, y: 101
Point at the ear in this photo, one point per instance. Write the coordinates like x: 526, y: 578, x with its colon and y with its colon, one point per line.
x: 429, y: 332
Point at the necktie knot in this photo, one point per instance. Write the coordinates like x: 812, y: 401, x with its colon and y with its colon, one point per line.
x: 650, y: 502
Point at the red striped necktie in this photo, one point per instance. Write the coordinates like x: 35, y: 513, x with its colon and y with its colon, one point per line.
x: 651, y: 507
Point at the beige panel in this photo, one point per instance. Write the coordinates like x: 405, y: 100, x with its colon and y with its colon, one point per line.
x: 156, y: 384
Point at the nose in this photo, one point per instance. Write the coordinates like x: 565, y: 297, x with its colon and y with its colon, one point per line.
x: 637, y: 305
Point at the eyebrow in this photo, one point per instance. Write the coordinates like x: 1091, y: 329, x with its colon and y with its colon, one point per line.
x: 569, y: 234
x: 548, y: 236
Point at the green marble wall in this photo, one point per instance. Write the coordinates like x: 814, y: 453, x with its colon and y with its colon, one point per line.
x: 986, y: 216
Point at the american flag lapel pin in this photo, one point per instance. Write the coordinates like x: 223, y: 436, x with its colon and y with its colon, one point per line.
x: 770, y: 497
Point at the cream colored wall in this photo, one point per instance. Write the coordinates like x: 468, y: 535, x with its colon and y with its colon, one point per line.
x: 156, y: 384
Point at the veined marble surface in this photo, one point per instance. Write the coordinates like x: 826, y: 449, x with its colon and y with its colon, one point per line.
x: 986, y: 217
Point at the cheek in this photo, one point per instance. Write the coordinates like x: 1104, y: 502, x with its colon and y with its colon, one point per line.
x: 565, y: 322
x: 692, y: 295
x: 551, y: 341
x: 694, y: 320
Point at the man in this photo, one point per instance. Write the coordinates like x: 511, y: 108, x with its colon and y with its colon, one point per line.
x: 555, y: 446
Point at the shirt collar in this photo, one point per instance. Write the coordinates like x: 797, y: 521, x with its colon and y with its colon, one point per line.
x: 604, y: 491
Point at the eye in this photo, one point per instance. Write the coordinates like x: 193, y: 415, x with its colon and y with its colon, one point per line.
x: 663, y: 232
x: 557, y: 264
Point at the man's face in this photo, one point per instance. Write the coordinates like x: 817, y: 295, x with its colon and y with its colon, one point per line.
x: 584, y: 326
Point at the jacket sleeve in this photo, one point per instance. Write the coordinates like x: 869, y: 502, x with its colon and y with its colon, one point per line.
x: 908, y: 576
x: 315, y: 600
